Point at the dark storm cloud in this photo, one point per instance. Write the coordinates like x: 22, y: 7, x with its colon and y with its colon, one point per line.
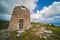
x: 5, y: 9
x: 7, y: 6
x: 2, y: 7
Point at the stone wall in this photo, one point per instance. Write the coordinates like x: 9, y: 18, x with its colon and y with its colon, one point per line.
x: 20, y: 12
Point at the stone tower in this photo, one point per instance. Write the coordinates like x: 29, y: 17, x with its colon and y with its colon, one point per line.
x: 20, y: 19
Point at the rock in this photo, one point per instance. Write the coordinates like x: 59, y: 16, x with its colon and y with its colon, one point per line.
x: 47, y: 31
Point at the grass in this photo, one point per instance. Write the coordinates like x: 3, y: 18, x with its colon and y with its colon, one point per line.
x: 4, y: 24
x: 55, y: 29
x: 27, y: 34
x: 24, y: 36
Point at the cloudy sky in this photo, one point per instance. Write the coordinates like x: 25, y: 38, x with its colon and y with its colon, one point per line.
x: 46, y: 11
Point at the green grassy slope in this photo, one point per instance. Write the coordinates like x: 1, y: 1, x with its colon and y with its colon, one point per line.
x: 4, y: 24
x: 55, y: 29
x: 28, y: 34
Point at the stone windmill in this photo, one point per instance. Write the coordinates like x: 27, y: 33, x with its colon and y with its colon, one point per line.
x: 20, y: 19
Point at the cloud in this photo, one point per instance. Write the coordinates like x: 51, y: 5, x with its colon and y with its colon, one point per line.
x: 50, y: 14
x: 5, y: 16
x: 7, y: 6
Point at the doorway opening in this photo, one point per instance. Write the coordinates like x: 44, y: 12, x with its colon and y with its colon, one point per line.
x: 21, y: 21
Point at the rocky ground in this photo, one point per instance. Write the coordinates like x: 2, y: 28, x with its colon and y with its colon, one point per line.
x: 42, y: 32
x: 3, y: 34
x: 34, y: 33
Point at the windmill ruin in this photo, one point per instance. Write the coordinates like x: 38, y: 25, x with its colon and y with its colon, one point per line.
x: 20, y: 19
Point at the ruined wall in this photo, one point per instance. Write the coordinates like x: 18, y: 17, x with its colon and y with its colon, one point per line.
x: 20, y: 12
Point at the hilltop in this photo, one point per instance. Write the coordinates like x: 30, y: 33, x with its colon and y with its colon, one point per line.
x: 38, y: 31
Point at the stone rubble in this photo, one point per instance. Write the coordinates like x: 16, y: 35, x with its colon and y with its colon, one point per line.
x: 42, y: 32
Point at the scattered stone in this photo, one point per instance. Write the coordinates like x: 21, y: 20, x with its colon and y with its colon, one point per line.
x: 18, y: 35
x: 42, y: 32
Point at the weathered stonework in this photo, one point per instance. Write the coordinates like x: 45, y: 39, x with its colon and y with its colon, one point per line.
x: 20, y: 18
